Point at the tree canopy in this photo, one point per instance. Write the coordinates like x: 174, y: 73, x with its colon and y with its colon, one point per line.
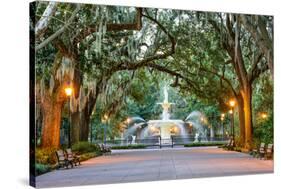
x: 117, y: 59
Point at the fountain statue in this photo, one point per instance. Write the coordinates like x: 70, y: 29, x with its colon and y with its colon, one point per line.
x: 165, y: 127
x: 166, y: 105
x: 196, y: 138
x: 198, y: 120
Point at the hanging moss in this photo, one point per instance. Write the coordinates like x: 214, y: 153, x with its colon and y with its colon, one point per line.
x: 71, y: 73
x: 42, y: 89
x: 51, y: 84
x: 59, y: 75
x: 81, y: 98
x: 73, y: 104
x: 237, y: 32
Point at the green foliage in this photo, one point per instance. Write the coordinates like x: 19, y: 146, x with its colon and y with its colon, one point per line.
x: 42, y: 168
x: 45, y: 156
x: 46, y: 159
x: 131, y: 146
x: 263, y: 131
x: 237, y: 148
x: 199, y: 58
x: 89, y: 155
x: 197, y: 144
x: 85, y: 147
x: 263, y: 103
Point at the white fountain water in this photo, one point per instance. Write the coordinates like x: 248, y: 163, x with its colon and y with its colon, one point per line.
x: 198, y: 121
x: 131, y: 131
x: 166, y: 105
x: 165, y: 127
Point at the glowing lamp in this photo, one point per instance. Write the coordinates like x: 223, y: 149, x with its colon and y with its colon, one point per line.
x: 128, y: 120
x: 232, y: 103
x: 68, y: 91
x: 264, y: 115
x: 104, y: 118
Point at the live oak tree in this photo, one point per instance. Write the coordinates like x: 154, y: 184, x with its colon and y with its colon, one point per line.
x: 221, y: 62
x: 63, y: 71
x: 261, y: 30
x: 100, y: 50
x: 248, y: 62
x: 71, y: 51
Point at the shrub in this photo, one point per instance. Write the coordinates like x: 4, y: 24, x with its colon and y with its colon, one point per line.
x: 135, y: 146
x: 237, y: 148
x: 90, y: 155
x: 85, y: 147
x: 263, y: 130
x: 204, y: 144
x: 41, y: 168
x: 45, y: 156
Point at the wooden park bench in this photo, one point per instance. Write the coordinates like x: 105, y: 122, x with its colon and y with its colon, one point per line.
x: 260, y: 151
x: 72, y: 157
x: 229, y: 145
x: 269, y: 152
x: 63, y: 161
x: 254, y: 152
x: 105, y: 149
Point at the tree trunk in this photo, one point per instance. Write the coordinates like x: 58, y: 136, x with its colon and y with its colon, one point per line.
x: 39, y: 124
x: 262, y: 38
x: 87, y: 112
x: 52, y: 104
x: 241, y: 119
x: 51, y: 122
x: 85, y: 124
x: 247, y: 98
x: 80, y: 122
x: 75, y: 127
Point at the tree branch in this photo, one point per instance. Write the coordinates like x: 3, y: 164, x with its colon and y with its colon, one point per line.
x: 60, y: 31
x: 172, y: 39
x: 147, y: 61
x: 111, y: 27
x: 254, y: 67
x: 223, y: 78
x: 43, y: 22
x: 261, y: 37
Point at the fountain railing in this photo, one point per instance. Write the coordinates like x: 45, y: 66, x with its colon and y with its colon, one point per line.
x: 157, y: 141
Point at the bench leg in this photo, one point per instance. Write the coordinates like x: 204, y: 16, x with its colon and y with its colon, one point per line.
x: 66, y: 164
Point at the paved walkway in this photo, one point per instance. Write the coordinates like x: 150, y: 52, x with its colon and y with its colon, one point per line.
x: 156, y: 164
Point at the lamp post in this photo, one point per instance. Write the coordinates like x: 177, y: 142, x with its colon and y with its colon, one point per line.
x: 68, y: 91
x: 160, y: 142
x: 264, y: 115
x: 91, y: 134
x: 222, y: 118
x: 232, y: 105
x: 104, y: 121
x: 128, y: 121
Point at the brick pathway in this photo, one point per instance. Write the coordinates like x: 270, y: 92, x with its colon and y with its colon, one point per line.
x: 156, y: 164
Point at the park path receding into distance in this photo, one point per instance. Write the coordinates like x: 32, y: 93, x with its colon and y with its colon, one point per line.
x: 156, y: 164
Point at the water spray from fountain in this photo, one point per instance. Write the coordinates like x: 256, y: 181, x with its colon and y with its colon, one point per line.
x: 198, y: 121
x: 167, y: 127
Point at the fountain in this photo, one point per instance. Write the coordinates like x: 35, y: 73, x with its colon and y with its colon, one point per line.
x: 197, y: 120
x: 166, y: 128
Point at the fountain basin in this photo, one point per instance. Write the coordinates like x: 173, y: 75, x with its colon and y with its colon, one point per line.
x: 167, y: 128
